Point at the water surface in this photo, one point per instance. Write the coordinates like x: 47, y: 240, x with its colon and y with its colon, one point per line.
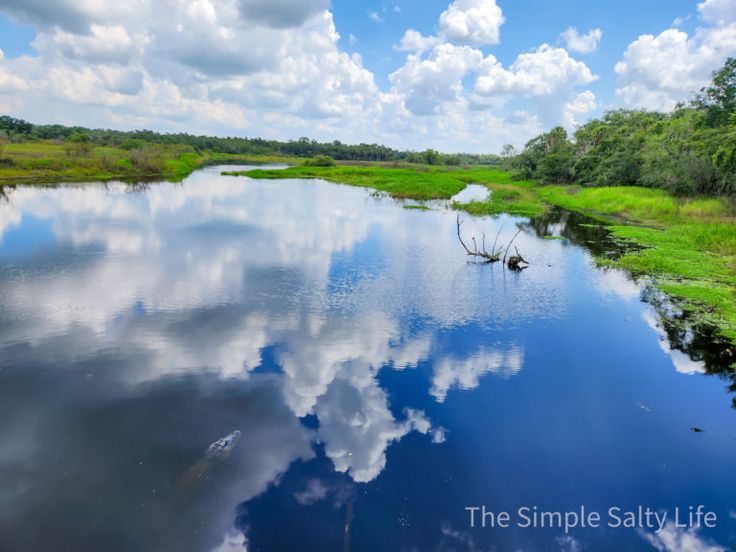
x: 382, y: 383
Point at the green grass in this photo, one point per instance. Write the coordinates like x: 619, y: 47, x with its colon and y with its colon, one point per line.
x: 424, y: 182
x: 688, y: 244
x: 48, y: 162
x: 641, y: 204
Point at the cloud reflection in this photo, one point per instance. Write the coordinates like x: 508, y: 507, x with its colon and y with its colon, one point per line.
x: 465, y: 374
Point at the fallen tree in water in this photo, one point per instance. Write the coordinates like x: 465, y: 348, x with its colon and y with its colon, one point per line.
x: 515, y: 262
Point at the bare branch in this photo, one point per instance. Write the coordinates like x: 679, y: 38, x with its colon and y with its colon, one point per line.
x: 509, y: 245
x: 489, y: 257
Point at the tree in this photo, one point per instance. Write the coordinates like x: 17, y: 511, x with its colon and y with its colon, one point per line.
x: 431, y: 157
x: 508, y: 153
x: 11, y: 125
x: 719, y: 99
x: 549, y: 157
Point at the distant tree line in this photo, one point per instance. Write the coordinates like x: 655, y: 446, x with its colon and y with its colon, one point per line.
x: 689, y: 151
x: 18, y: 130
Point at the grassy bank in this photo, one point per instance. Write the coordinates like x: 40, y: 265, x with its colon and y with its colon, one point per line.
x: 688, y: 244
x: 423, y: 182
x: 41, y: 162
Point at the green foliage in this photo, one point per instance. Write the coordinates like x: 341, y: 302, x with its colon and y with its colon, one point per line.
x: 549, y: 157
x: 11, y: 126
x: 320, y: 161
x: 718, y: 100
x: 691, y: 151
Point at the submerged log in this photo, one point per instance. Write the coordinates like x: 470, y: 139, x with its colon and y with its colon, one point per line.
x: 517, y: 262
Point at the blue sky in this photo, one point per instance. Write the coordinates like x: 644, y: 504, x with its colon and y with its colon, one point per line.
x: 276, y: 68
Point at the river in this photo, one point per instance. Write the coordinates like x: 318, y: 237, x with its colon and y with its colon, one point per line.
x: 381, y: 382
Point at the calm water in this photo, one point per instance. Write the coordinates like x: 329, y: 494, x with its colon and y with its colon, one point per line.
x: 381, y: 382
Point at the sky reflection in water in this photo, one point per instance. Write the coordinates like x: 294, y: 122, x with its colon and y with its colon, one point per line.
x: 378, y: 378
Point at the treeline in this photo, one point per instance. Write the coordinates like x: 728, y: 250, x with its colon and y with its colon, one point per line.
x: 12, y: 129
x: 689, y: 151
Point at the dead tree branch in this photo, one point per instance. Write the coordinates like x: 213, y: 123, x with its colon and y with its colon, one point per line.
x: 515, y: 262
x: 492, y: 257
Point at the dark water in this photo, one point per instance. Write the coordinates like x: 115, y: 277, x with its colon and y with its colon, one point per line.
x: 381, y: 382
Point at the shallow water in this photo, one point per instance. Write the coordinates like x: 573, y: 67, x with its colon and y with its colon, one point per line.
x: 382, y: 383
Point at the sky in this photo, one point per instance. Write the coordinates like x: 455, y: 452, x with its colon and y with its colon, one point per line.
x: 462, y: 75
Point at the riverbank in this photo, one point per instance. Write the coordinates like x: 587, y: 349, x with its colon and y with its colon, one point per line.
x: 46, y: 162
x: 423, y: 182
x: 686, y: 245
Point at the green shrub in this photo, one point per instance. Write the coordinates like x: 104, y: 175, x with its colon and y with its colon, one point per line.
x: 320, y: 161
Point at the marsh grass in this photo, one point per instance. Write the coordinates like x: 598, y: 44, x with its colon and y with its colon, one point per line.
x: 40, y: 162
x: 687, y: 244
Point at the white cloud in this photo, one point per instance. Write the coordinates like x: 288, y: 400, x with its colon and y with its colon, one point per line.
x: 180, y: 66
x: 576, y: 112
x: 659, y: 71
x: 234, y: 541
x: 548, y: 75
x: 583, y: 44
x: 676, y: 539
x: 414, y: 41
x: 719, y: 12
x: 474, y: 22
x: 435, y: 80
x: 375, y: 17
x: 542, y: 72
x: 174, y: 59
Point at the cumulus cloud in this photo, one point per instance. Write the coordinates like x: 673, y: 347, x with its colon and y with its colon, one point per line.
x: 548, y: 75
x: 72, y: 15
x: 542, y: 72
x: 719, y: 12
x: 475, y: 22
x: 659, y: 71
x: 582, y: 43
x: 272, y: 69
x: 225, y: 64
x: 575, y: 112
x: 414, y: 41
x: 430, y: 82
x: 281, y: 13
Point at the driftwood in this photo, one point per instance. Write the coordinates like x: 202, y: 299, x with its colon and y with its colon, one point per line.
x: 493, y: 257
x: 515, y: 262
